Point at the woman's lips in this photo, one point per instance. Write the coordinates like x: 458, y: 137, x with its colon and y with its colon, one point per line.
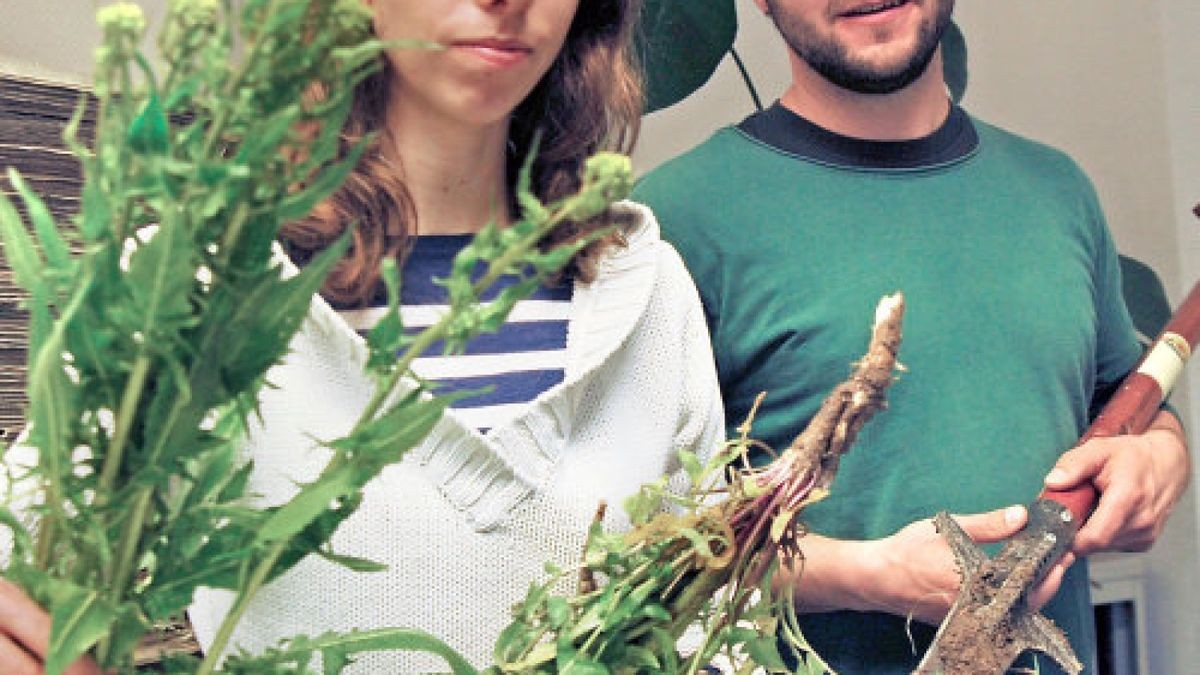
x: 499, y: 53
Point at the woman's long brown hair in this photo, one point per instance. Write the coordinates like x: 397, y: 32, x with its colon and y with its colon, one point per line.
x: 591, y: 99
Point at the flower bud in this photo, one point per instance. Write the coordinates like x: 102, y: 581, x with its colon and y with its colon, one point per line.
x: 121, y: 19
x: 607, y: 177
x: 194, y: 14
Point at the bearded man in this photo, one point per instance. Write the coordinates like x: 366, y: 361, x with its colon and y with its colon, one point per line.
x: 863, y: 178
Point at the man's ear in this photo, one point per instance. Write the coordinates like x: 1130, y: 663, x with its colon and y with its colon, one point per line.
x: 761, y: 4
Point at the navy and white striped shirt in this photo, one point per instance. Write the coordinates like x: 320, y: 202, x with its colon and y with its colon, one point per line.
x: 526, y: 357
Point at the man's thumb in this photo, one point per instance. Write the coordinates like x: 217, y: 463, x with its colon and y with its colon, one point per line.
x: 994, y: 525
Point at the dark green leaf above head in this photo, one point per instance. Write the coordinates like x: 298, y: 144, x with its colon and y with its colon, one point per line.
x: 1145, y: 297
x: 680, y: 44
x: 954, y: 62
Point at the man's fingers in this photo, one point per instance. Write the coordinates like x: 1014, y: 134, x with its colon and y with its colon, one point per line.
x: 1045, y: 591
x: 1078, y: 464
x: 994, y: 525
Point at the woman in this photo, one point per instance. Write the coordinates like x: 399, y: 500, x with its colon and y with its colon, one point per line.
x: 599, y: 381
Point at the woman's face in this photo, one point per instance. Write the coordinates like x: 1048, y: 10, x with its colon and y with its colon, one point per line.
x: 495, y: 52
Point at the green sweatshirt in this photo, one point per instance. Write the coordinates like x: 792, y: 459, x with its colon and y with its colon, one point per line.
x: 1014, y: 321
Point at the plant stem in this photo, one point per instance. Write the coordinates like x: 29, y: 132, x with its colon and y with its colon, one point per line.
x: 235, y: 82
x: 125, y: 417
x: 245, y: 594
x: 741, y: 66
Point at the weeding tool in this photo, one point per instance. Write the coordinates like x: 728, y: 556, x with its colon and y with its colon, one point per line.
x: 989, y: 625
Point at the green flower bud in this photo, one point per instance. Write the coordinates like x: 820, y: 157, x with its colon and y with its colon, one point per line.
x: 121, y: 19
x: 607, y: 177
x: 194, y: 14
x: 353, y: 21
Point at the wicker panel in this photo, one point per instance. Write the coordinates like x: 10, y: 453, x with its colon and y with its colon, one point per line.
x: 32, y: 117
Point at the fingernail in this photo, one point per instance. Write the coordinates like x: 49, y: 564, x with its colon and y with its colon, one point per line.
x: 1014, y: 514
x: 1056, y: 475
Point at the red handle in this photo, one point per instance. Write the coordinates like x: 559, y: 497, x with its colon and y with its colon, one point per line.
x: 1136, y: 402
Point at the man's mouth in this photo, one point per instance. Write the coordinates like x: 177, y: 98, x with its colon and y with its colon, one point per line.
x: 874, y: 8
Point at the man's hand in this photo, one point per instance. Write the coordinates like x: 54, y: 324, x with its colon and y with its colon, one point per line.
x: 25, y: 636
x: 911, y: 573
x: 1139, y: 478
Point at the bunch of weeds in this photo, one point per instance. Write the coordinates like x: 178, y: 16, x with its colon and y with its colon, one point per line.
x: 697, y: 560
x: 147, y: 350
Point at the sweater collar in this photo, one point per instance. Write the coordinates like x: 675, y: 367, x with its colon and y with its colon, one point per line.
x: 485, y: 476
x: 784, y: 130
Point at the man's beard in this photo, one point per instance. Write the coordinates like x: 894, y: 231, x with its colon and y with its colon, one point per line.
x: 831, y: 60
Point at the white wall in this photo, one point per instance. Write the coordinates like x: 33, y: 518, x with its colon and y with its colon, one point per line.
x: 1115, y: 84
x: 54, y: 39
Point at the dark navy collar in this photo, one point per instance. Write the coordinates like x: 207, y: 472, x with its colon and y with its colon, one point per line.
x: 786, y: 131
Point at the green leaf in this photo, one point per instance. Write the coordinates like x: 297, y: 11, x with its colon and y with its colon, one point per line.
x: 569, y: 661
x: 148, y: 134
x: 19, y: 249
x: 299, y: 204
x: 161, y: 276
x: 58, y: 257
x: 312, y: 500
x: 353, y: 563
x: 692, y: 466
x: 263, y: 322
x: 954, y: 62
x: 79, y: 619
x: 386, y: 338
x: 1145, y: 297
x: 641, y: 659
x: 391, y: 435
x: 558, y: 612
x: 22, y: 540
x: 392, y: 639
x: 27, y: 266
x: 680, y: 44
x: 96, y: 212
x: 765, y: 652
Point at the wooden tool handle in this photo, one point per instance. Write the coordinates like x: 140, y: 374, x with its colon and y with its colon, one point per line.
x: 1137, y: 401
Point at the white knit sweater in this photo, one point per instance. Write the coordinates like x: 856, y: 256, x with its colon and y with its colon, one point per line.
x: 466, y: 522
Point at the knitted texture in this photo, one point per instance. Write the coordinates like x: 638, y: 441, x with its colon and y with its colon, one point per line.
x: 467, y: 521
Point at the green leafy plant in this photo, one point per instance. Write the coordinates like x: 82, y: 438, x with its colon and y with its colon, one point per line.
x: 147, y: 349
x: 693, y: 560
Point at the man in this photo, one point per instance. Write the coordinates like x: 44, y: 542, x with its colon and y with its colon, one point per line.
x: 863, y: 179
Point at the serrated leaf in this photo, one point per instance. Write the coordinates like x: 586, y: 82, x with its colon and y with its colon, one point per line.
x: 79, y: 619
x: 261, y: 324
x: 312, y: 500
x: 161, y: 276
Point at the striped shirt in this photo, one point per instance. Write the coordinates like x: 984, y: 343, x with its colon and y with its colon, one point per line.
x: 512, y: 366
